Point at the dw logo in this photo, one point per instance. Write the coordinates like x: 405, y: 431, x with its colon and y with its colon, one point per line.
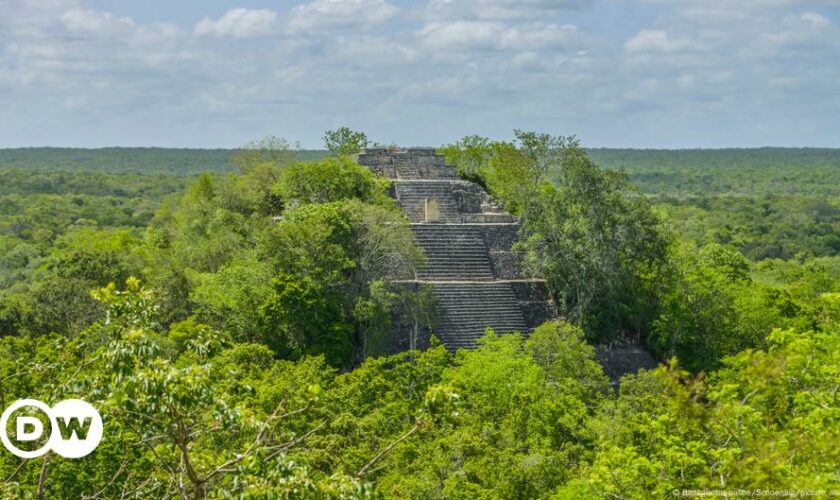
x: 71, y: 428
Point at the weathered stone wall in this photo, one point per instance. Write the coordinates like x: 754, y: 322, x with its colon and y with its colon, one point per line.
x: 499, y: 237
x: 409, y: 163
x: 622, y: 358
x: 506, y: 265
x: 529, y: 289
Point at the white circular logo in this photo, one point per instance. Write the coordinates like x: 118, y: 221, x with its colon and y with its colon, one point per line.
x: 75, y: 428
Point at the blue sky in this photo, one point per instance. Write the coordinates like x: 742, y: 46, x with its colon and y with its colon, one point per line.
x: 617, y: 73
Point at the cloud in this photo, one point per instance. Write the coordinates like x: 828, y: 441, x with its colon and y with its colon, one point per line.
x: 420, y: 71
x: 498, y: 10
x: 816, y: 20
x: 320, y: 14
x: 95, y: 22
x: 239, y: 23
x: 482, y: 35
x: 153, y: 34
x: 462, y: 34
x: 754, y: 4
x: 527, y: 58
x: 379, y: 51
x: 656, y: 41
x: 537, y: 36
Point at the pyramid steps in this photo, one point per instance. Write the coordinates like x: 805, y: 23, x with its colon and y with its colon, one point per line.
x: 468, y: 309
x: 467, y: 249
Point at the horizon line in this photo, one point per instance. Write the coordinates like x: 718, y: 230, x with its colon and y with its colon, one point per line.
x: 305, y: 149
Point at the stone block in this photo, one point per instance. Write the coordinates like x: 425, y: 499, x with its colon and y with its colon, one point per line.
x: 506, y: 265
x: 537, y: 313
x: 427, y: 161
x: 530, y: 290
x: 500, y: 237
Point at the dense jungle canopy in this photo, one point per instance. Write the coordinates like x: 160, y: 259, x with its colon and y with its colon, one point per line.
x: 228, y: 311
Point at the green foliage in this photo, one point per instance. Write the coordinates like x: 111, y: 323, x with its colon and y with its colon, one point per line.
x: 37, y: 208
x: 768, y: 202
x: 63, y: 234
x: 596, y: 246
x: 470, y: 156
x: 616, y: 269
x: 217, y: 374
x: 176, y: 421
x: 308, y: 317
x: 713, y: 308
x: 57, y: 299
x: 761, y: 227
x: 189, y: 413
x: 268, y: 151
x: 344, y: 141
x: 290, y: 255
x: 95, y: 255
x: 229, y: 298
x: 520, y: 428
x: 767, y: 420
x: 214, y: 226
x: 331, y: 179
x: 330, y: 258
x: 509, y: 177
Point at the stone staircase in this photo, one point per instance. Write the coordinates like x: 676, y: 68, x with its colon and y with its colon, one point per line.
x: 467, y: 239
x: 467, y: 309
x: 453, y: 252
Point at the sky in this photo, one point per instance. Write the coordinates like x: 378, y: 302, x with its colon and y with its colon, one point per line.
x: 615, y: 73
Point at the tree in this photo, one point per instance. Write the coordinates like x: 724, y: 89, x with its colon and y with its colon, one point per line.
x: 230, y: 297
x: 187, y: 412
x: 329, y: 260
x: 545, y: 152
x: 344, y: 141
x: 328, y: 180
x: 766, y: 420
x: 520, y: 429
x: 419, y: 307
x: 470, y: 156
x: 270, y: 150
x: 595, y: 242
x: 710, y: 307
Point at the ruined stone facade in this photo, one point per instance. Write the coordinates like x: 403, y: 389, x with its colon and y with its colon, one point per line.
x: 468, y: 239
